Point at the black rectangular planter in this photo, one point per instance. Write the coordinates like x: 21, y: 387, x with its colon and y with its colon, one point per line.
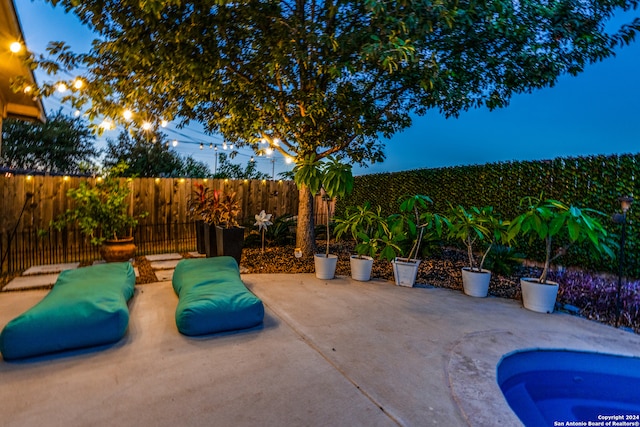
x: 230, y: 241
x: 200, y: 243
x: 210, y: 242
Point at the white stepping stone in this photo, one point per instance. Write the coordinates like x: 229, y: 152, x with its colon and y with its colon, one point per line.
x: 197, y: 255
x: 27, y: 282
x: 165, y: 265
x: 163, y: 257
x: 51, y: 268
x: 164, y: 275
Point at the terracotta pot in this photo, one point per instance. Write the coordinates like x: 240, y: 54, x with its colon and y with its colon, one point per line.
x: 120, y: 250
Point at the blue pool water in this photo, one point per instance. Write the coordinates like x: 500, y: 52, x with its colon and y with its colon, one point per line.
x: 564, y: 388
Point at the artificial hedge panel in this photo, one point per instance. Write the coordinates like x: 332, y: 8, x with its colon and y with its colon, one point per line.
x: 591, y: 181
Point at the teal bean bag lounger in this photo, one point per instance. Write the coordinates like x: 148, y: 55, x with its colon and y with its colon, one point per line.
x: 85, y: 308
x: 212, y: 297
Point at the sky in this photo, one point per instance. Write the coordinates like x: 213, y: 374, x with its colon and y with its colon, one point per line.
x: 596, y: 112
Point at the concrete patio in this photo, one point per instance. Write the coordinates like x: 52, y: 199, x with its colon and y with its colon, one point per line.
x: 339, y: 353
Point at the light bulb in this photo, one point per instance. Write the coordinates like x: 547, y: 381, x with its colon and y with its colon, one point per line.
x: 146, y: 126
x: 224, y: 145
x: 269, y: 151
x: 175, y: 142
x: 15, y: 47
x: 288, y: 160
x: 276, y: 141
x: 76, y: 113
x: 78, y: 83
x: 27, y: 89
x: 164, y: 123
x: 62, y: 87
x: 127, y: 114
x: 201, y: 145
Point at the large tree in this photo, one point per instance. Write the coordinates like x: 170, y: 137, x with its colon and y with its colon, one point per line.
x: 319, y: 78
x: 62, y: 145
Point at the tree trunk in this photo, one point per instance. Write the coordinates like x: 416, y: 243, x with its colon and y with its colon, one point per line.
x: 305, y: 237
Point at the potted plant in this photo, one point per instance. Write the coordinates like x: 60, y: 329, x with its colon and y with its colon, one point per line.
x: 551, y: 221
x: 229, y: 233
x: 334, y: 179
x: 370, y: 231
x: 101, y: 213
x: 197, y: 208
x: 472, y: 227
x: 410, y: 226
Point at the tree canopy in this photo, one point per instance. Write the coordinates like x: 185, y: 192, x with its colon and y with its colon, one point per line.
x: 62, y: 145
x: 327, y: 77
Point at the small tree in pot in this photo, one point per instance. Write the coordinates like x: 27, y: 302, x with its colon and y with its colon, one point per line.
x: 335, y: 180
x: 412, y: 225
x: 102, y: 213
x: 371, y: 234
x: 551, y: 221
x: 473, y: 227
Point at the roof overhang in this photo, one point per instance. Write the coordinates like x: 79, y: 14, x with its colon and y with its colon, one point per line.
x: 15, y: 105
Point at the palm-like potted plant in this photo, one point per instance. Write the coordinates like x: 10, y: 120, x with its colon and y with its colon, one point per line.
x: 371, y: 233
x: 101, y: 213
x: 412, y: 225
x: 474, y: 227
x: 553, y: 221
x: 229, y: 233
x: 335, y: 180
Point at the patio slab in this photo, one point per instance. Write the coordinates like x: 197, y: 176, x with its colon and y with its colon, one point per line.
x: 163, y: 257
x: 164, y: 275
x: 165, y: 265
x: 335, y: 352
x: 28, y: 282
x: 49, y: 269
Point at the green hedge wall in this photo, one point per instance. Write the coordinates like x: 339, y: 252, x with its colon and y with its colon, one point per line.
x: 594, y: 181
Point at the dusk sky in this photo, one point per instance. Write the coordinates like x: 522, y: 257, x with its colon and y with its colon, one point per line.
x: 593, y: 113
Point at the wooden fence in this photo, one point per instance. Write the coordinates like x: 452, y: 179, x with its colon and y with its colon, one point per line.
x: 29, y: 203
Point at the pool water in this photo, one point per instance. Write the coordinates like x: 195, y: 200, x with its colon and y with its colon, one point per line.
x: 558, y: 387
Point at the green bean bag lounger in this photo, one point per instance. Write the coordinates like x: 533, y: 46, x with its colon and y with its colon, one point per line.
x: 212, y: 297
x: 86, y: 307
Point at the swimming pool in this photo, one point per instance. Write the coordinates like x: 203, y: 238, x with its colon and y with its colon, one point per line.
x: 571, y: 388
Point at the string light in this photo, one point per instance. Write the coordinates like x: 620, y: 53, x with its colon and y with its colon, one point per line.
x: 127, y: 114
x: 76, y: 113
x: 288, y: 160
x: 15, y: 47
x: 210, y: 145
x: 201, y: 145
x: 78, y: 83
x: 215, y: 148
x: 276, y: 142
x: 231, y: 146
x: 106, y: 124
x: 224, y: 145
x: 146, y: 126
x: 252, y: 159
x: 263, y: 141
x: 164, y: 123
x: 269, y: 151
x: 175, y: 143
x: 62, y: 87
x: 27, y: 89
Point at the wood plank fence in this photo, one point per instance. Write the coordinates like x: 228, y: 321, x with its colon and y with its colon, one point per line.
x: 29, y: 203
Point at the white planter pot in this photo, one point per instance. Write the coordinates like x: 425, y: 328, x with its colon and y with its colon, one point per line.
x: 361, y: 267
x: 475, y: 283
x: 405, y: 271
x: 538, y: 297
x: 325, y: 266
